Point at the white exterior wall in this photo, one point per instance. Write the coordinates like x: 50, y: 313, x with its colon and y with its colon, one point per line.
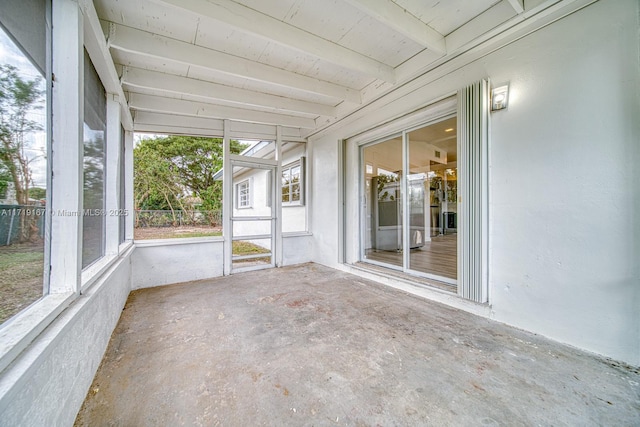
x: 258, y: 190
x: 48, y: 383
x: 293, y: 216
x: 297, y: 249
x: 564, y: 230
x: 163, y: 262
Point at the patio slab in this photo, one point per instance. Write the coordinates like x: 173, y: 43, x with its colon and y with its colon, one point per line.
x: 309, y: 345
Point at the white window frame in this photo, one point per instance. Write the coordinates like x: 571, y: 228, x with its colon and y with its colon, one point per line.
x: 66, y: 278
x: 301, y: 183
x: 249, y: 188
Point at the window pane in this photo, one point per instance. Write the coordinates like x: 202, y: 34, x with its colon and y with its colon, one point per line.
x: 294, y: 211
x: 432, y: 185
x: 170, y: 200
x: 295, y: 174
x: 286, y: 179
x: 23, y: 174
x: 243, y: 194
x: 122, y: 204
x: 384, y: 237
x: 295, y: 192
x: 95, y: 113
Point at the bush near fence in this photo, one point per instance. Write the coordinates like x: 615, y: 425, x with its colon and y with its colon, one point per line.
x: 155, y: 218
x: 11, y: 222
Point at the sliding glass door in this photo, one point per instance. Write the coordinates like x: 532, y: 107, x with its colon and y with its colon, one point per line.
x: 384, y: 210
x: 410, y: 212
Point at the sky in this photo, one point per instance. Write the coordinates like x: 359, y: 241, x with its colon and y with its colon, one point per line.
x: 35, y: 147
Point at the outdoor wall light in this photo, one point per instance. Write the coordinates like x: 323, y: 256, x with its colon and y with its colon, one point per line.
x: 499, y: 97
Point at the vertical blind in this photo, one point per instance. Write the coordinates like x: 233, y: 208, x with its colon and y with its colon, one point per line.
x: 473, y: 132
x: 95, y: 119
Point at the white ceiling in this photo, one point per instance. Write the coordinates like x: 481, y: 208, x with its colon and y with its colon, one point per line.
x: 296, y: 63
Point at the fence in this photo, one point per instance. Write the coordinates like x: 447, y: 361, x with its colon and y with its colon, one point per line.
x: 153, y: 218
x: 13, y: 218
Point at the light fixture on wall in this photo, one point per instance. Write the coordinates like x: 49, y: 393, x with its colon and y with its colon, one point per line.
x: 499, y: 97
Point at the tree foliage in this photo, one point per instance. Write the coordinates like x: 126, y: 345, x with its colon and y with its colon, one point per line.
x: 5, y: 179
x: 18, y: 99
x: 168, y: 171
x: 37, y: 193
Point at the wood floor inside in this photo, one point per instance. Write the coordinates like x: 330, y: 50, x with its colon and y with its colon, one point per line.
x: 437, y: 257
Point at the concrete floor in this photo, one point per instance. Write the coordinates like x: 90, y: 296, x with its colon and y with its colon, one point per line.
x: 308, y: 345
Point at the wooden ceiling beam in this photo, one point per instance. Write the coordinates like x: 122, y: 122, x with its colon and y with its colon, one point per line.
x: 200, y: 109
x: 136, y: 77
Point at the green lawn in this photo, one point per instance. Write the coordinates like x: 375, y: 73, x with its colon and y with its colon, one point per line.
x: 21, y: 268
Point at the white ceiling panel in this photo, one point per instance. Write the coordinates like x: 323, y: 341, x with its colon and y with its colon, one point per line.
x: 149, y: 16
x: 380, y: 43
x: 227, y: 39
x: 445, y: 16
x: 279, y: 57
x: 277, y: 9
x: 319, y: 17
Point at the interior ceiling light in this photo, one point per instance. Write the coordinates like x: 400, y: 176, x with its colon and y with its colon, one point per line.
x: 500, y: 97
x: 448, y: 130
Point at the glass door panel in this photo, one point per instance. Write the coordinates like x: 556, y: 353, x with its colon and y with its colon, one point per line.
x: 383, y: 237
x: 432, y: 189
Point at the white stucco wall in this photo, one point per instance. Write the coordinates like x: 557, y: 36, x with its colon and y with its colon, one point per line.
x: 49, y: 381
x: 163, y: 262
x: 297, y: 249
x: 564, y: 230
x: 564, y: 184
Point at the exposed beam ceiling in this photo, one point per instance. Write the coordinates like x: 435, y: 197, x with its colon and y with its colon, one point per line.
x: 146, y: 44
x: 251, y: 21
x: 303, y: 64
x: 396, y: 17
x: 168, y: 123
x: 135, y: 77
x: 200, y: 109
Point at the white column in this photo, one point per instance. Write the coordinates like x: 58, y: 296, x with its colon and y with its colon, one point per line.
x: 404, y: 206
x: 276, y: 182
x: 227, y: 199
x: 67, y: 147
x: 112, y: 176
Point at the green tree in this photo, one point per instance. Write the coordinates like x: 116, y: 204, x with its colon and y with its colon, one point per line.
x: 18, y: 98
x: 155, y: 182
x: 168, y: 169
x: 5, y: 179
x: 37, y: 193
